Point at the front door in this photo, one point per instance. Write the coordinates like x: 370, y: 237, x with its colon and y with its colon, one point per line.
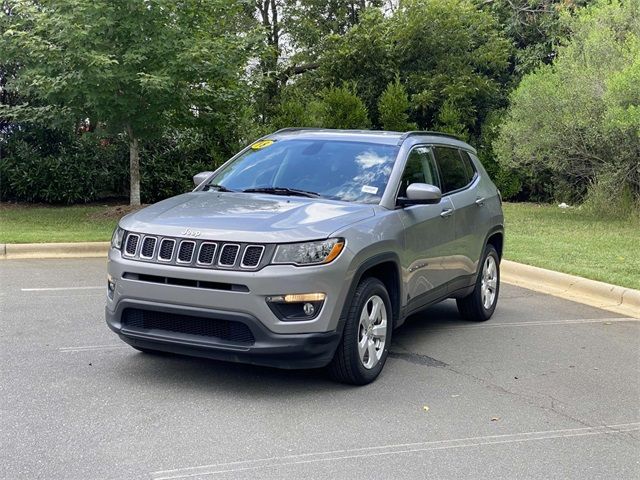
x: 429, y: 234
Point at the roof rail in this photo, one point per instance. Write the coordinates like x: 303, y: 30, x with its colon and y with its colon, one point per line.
x: 427, y: 132
x: 296, y: 129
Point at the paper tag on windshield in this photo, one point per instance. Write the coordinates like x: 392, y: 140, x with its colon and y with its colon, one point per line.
x: 368, y: 189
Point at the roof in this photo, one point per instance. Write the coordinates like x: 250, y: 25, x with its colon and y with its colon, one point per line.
x: 374, y: 136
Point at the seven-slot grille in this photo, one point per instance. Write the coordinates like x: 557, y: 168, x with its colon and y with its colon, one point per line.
x: 195, y: 253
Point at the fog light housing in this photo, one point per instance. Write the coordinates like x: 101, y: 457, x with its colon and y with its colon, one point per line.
x: 111, y: 286
x: 296, y: 306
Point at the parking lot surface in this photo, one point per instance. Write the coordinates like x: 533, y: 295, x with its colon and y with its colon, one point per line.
x: 546, y: 389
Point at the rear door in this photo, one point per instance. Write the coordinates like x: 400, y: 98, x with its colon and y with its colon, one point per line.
x: 429, y: 234
x: 460, y: 182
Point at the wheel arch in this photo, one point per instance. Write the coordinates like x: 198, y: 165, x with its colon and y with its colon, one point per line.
x: 495, y: 237
x: 386, y: 268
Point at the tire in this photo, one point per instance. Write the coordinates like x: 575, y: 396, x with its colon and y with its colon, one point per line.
x: 480, y: 304
x: 366, y: 337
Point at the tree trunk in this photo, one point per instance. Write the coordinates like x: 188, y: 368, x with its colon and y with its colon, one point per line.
x: 134, y: 169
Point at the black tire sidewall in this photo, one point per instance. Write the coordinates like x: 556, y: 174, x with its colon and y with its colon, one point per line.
x: 367, y: 288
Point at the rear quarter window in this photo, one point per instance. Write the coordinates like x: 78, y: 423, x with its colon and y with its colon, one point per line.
x: 456, y: 169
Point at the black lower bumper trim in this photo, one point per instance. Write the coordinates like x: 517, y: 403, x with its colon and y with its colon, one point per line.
x: 309, y: 350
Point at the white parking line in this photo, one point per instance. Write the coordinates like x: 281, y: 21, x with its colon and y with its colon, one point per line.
x: 538, y: 323
x: 57, y: 289
x: 89, y: 348
x: 287, y: 460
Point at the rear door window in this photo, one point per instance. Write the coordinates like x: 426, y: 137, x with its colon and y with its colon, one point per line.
x: 456, y: 171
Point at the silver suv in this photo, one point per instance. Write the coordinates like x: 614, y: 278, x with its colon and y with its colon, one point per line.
x: 307, y: 249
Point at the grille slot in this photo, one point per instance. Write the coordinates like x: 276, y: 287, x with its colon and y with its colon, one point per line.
x: 148, y: 247
x: 252, y: 256
x: 187, y: 324
x: 228, y: 255
x: 166, y: 249
x: 206, y: 253
x: 185, y: 253
x: 132, y: 244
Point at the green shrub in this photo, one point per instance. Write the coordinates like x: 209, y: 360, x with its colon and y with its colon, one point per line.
x: 341, y: 108
x: 74, y: 170
x: 393, y: 108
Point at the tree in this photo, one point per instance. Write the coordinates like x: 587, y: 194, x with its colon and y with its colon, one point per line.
x: 578, y: 116
x: 393, y: 107
x: 341, y: 108
x: 128, y: 66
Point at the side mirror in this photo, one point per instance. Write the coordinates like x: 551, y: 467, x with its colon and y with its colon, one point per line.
x: 421, y: 194
x: 201, y: 177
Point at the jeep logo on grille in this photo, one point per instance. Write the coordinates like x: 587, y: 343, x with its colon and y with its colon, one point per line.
x: 191, y: 233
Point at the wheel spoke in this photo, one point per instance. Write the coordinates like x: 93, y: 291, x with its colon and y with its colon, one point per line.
x: 362, y: 347
x: 371, y: 348
x: 364, y: 317
x: 375, y: 311
x: 492, y: 283
x: 380, y: 331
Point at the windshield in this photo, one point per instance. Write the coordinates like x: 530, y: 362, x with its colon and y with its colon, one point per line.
x: 339, y: 170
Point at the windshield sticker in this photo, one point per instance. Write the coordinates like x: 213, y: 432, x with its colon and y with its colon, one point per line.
x: 369, y: 189
x: 261, y: 144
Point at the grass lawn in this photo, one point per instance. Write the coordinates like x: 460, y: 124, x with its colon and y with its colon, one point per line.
x: 571, y: 241
x: 546, y: 236
x: 38, y: 224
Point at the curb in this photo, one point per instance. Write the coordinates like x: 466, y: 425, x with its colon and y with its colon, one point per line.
x: 625, y: 301
x: 9, y: 251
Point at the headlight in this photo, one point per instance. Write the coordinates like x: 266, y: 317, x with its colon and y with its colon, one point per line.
x: 116, y: 238
x: 309, y: 253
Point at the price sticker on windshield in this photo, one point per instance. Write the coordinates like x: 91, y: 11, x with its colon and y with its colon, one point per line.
x: 261, y: 144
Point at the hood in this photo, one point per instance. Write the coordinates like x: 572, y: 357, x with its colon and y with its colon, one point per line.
x: 246, y: 217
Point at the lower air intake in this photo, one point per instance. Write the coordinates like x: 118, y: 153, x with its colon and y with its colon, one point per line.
x: 137, y: 319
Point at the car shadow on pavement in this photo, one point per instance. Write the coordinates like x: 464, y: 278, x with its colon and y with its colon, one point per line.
x: 189, y: 373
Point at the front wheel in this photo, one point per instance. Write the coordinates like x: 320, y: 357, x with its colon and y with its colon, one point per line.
x: 480, y: 304
x: 364, y: 347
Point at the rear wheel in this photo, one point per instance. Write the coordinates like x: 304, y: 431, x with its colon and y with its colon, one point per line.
x: 480, y: 304
x: 364, y: 347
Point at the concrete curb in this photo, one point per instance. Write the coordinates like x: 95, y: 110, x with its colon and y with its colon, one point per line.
x: 11, y: 251
x: 625, y: 301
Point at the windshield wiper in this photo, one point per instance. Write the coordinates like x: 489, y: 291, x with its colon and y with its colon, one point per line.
x: 219, y: 188
x: 283, y: 191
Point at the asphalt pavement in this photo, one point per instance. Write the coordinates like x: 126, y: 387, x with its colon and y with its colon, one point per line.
x: 546, y: 389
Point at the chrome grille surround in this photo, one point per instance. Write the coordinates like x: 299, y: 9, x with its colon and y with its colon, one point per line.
x: 197, y: 253
x: 251, y: 251
x: 207, y: 249
x: 224, y: 259
x: 186, y: 248
x: 131, y: 245
x: 148, y: 248
x: 162, y: 251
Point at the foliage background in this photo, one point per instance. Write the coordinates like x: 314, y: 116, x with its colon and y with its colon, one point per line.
x: 547, y: 90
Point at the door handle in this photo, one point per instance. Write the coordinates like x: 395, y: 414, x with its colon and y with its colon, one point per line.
x: 480, y: 201
x: 446, y: 213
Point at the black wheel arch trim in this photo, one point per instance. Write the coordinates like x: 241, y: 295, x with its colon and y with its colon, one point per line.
x: 371, y: 262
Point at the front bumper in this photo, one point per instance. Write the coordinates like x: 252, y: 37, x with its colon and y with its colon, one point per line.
x: 285, y: 344
x: 306, y: 350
